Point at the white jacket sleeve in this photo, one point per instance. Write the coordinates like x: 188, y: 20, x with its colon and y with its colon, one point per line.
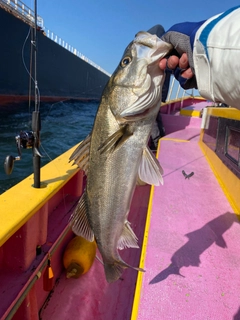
x: 216, y: 56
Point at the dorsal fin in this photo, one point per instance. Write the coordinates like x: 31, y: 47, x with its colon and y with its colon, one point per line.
x: 80, y: 155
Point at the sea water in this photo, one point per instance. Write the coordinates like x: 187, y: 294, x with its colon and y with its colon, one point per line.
x: 63, y: 124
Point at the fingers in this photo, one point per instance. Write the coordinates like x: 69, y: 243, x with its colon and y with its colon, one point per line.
x: 173, y: 61
x: 187, y: 74
x: 183, y: 61
x: 183, y: 64
x: 163, y: 64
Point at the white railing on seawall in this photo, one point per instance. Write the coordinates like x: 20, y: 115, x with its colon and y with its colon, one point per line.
x: 27, y: 14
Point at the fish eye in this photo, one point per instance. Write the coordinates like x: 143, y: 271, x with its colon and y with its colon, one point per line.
x: 125, y: 61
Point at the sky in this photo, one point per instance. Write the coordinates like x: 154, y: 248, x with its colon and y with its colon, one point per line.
x: 101, y: 29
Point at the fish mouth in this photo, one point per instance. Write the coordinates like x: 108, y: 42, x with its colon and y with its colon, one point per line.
x: 149, y: 41
x: 146, y: 39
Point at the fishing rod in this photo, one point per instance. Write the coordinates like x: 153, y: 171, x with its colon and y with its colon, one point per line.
x: 36, y: 120
x: 30, y: 139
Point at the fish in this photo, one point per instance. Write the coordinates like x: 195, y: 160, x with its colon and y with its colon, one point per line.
x: 116, y: 154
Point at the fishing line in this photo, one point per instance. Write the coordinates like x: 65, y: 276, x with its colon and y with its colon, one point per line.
x: 41, y: 146
x: 23, y: 61
x: 60, y: 101
x: 26, y: 68
x: 90, y: 90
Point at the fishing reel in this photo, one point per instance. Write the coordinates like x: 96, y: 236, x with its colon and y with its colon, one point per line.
x: 25, y: 140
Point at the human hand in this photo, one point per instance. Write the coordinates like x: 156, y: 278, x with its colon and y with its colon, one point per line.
x: 180, y: 68
x: 173, y: 61
x: 180, y: 60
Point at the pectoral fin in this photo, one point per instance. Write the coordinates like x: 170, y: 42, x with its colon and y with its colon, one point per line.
x: 140, y: 182
x: 128, y: 238
x: 80, y: 156
x: 150, y: 170
x: 115, y: 140
x: 79, y: 220
x: 144, y: 102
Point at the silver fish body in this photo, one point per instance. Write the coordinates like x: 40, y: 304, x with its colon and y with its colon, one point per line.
x: 118, y: 154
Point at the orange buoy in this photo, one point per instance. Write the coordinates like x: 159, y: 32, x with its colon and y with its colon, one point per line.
x: 78, y: 256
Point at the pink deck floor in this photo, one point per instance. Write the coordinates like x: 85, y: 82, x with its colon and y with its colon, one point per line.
x: 192, y: 260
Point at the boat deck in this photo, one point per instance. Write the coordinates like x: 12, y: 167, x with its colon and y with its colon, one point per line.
x: 188, y: 231
x: 192, y: 251
x: 190, y: 246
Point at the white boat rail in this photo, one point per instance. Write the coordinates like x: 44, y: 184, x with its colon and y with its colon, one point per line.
x: 18, y: 8
x: 176, y: 91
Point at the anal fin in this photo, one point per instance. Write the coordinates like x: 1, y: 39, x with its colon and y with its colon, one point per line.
x: 128, y: 238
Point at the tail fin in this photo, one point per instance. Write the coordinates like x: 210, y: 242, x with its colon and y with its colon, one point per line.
x: 113, y: 271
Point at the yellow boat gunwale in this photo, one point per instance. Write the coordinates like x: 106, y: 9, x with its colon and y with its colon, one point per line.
x: 21, y: 202
x: 228, y: 181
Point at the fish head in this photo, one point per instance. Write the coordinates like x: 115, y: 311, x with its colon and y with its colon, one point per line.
x: 137, y: 82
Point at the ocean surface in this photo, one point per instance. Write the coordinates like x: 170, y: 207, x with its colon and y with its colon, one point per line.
x: 63, y: 124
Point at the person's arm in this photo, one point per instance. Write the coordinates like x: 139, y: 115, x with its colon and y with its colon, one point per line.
x: 216, y: 58
x: 211, y: 49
